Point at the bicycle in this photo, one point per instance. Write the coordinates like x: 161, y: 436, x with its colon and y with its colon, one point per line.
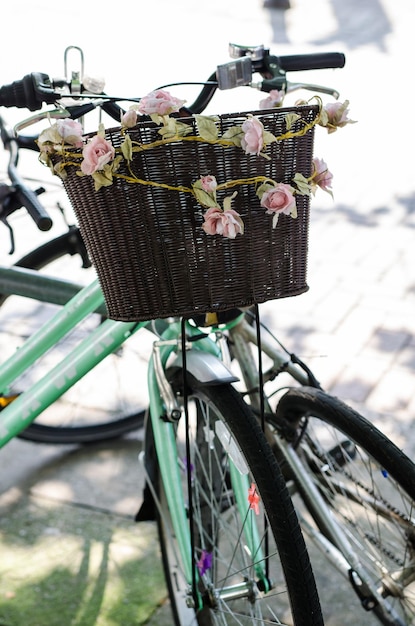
x: 73, y: 419
x: 114, y: 413
x: 320, y: 469
x: 223, y: 458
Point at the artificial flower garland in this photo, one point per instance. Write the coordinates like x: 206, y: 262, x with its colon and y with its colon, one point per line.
x: 101, y: 160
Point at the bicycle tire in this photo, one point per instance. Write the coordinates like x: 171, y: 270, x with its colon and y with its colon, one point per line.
x: 218, y: 528
x: 66, y: 256
x: 369, y: 484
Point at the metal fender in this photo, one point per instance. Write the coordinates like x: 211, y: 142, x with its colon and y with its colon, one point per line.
x: 205, y: 367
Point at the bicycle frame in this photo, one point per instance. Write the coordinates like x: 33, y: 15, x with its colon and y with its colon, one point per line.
x: 109, y: 336
x: 106, y: 338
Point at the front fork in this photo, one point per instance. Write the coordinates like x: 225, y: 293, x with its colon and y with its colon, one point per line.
x: 204, y: 363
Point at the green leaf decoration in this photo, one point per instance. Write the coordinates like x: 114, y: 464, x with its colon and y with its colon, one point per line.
x: 235, y: 135
x: 50, y: 136
x: 101, y: 130
x: 156, y: 118
x: 59, y: 169
x: 207, y: 127
x: 268, y: 137
x: 294, y: 213
x: 127, y: 148
x: 103, y: 178
x: 115, y: 165
x: 228, y: 201
x: 275, y: 220
x: 324, y: 118
x: 183, y: 129
x: 263, y: 188
x: 290, y: 119
x: 169, y: 128
x: 204, y: 198
x: 46, y: 160
x: 302, y: 184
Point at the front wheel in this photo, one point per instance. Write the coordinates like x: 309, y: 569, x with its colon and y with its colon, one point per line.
x: 252, y: 563
x: 369, y: 486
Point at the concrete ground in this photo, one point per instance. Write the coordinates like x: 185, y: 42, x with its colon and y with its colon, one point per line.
x: 70, y: 550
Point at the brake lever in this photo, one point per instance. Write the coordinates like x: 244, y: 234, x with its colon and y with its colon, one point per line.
x: 59, y: 113
x: 316, y: 88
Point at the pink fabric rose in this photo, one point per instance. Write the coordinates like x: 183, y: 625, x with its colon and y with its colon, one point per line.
x: 279, y: 199
x: 129, y: 119
x: 338, y: 115
x: 226, y: 223
x: 97, y: 153
x: 70, y: 131
x: 159, y: 102
x: 322, y: 175
x: 274, y: 99
x: 209, y: 183
x: 252, y: 141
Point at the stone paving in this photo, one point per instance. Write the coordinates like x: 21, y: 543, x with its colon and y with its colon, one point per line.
x: 355, y: 326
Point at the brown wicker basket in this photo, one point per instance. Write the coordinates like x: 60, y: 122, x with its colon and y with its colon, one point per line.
x: 153, y: 258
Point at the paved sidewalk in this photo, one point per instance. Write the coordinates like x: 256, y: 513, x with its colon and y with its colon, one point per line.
x: 67, y: 536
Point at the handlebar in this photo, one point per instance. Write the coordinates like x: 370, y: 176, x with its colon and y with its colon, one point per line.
x: 36, y: 89
x: 314, y: 61
x: 31, y: 92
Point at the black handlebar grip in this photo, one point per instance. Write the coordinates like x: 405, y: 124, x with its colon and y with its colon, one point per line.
x: 313, y: 61
x: 28, y: 199
x: 28, y: 93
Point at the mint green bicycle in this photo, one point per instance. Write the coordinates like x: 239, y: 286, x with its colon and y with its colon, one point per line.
x: 212, y: 442
x: 232, y: 547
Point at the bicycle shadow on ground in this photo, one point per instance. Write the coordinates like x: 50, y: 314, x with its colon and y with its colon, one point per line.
x: 80, y: 572
x: 355, y: 326
x: 106, y: 476
x: 68, y: 561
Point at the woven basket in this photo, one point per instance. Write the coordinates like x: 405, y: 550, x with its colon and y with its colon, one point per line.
x: 153, y: 258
